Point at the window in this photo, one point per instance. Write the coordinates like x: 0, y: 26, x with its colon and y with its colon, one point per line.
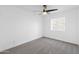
x: 58, y: 24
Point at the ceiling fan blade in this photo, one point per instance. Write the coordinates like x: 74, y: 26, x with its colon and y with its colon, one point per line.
x: 51, y: 10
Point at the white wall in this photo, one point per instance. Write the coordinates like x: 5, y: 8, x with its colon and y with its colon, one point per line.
x: 78, y: 26
x: 71, y: 26
x: 18, y: 26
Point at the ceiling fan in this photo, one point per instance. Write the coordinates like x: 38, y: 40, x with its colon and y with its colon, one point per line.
x: 45, y: 11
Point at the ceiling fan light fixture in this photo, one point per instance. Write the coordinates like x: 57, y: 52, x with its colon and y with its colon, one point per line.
x: 44, y: 13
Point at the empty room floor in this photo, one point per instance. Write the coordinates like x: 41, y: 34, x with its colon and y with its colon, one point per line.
x: 44, y: 46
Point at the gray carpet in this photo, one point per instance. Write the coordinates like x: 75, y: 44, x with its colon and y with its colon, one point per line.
x: 44, y: 46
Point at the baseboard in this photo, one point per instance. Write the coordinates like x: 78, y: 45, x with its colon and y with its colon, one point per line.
x: 18, y: 44
x: 61, y: 40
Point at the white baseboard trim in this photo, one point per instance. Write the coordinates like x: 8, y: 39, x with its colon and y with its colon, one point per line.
x: 18, y: 44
